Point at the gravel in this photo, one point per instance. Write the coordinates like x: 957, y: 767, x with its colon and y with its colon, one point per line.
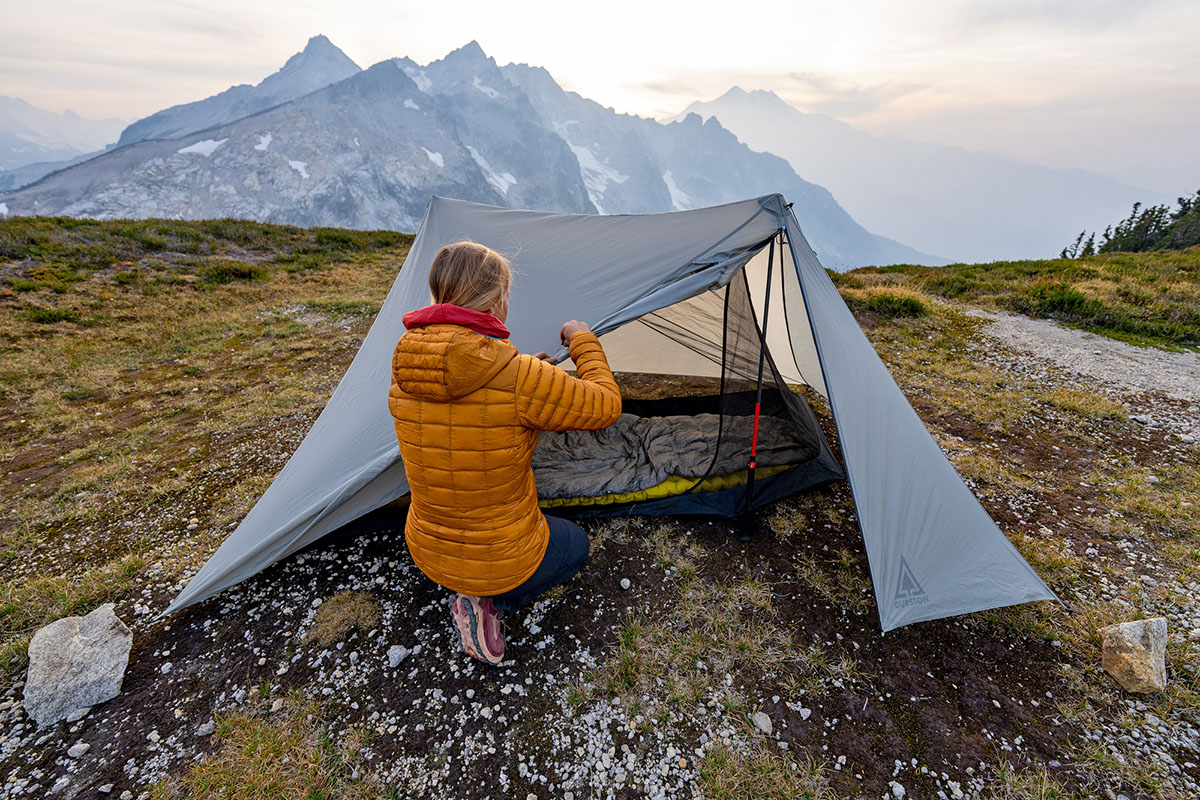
x: 1141, y: 369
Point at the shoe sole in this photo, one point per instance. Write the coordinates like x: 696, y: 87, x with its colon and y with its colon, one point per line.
x: 468, y: 624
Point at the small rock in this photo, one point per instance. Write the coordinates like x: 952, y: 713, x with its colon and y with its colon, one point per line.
x: 395, y: 654
x: 1135, y: 654
x: 126, y: 795
x: 1187, y: 438
x: 206, y: 729
x: 278, y: 704
x: 897, y: 789
x: 1152, y: 480
x: 78, y: 749
x: 105, y: 789
x: 1142, y: 419
x: 762, y: 722
x: 165, y: 668
x: 79, y: 714
x: 625, y: 584
x: 76, y: 662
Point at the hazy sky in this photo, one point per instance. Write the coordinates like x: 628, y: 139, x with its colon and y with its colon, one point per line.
x: 1112, y: 85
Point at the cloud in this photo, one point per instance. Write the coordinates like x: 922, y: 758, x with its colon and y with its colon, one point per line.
x: 825, y: 94
x: 1071, y: 14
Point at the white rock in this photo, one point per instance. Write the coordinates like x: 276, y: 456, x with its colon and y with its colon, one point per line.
x: 897, y: 789
x: 1152, y: 480
x: 76, y: 662
x: 78, y: 749
x: 79, y: 714
x: 762, y: 722
x: 165, y: 668
x: 625, y: 584
x: 397, y: 653
x: 206, y: 729
x: 105, y: 789
x: 1134, y: 653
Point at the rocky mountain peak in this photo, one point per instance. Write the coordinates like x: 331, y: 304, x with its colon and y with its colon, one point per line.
x: 319, y: 64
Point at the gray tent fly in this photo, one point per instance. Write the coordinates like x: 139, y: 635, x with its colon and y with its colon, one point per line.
x: 732, y: 291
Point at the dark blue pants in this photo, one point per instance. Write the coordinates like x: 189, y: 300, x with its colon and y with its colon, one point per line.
x: 566, y: 554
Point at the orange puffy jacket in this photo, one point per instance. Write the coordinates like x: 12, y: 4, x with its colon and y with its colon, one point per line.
x: 468, y: 408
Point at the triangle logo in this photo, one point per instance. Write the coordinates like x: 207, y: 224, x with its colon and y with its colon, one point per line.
x: 908, y: 588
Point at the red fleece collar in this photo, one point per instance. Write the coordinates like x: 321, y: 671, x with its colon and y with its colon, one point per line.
x: 446, y: 313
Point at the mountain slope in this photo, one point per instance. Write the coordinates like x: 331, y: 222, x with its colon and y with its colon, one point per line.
x: 368, y: 151
x: 317, y: 66
x: 365, y: 153
x: 633, y: 165
x: 972, y: 206
x: 30, y: 135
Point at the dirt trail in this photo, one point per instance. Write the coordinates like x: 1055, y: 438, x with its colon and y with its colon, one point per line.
x: 1141, y: 369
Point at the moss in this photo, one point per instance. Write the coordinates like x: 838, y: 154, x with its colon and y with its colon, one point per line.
x: 343, y: 613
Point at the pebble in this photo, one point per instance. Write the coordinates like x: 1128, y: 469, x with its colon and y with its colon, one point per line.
x: 79, y: 714
x: 625, y: 584
x: 762, y: 722
x: 105, y: 789
x: 897, y: 789
x: 397, y: 653
x: 206, y: 729
x: 78, y: 749
x: 1152, y: 480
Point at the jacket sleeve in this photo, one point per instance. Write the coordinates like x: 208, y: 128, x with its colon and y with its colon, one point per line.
x: 549, y: 399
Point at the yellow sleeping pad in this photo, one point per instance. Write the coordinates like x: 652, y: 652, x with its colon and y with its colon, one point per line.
x: 673, y: 485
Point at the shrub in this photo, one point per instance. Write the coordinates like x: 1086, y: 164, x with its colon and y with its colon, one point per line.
x: 230, y: 270
x: 892, y: 302
x: 48, y: 316
x: 1047, y: 298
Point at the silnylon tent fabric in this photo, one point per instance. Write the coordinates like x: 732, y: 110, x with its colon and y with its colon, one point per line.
x: 933, y: 550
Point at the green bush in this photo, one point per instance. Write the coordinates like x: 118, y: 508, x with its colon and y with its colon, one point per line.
x: 229, y: 271
x: 1049, y: 298
x: 48, y: 316
x: 889, y: 304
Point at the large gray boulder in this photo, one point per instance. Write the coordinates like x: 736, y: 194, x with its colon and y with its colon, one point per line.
x: 1134, y: 653
x: 76, y: 662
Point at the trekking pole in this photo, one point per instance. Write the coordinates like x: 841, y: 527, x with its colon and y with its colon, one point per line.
x: 752, y: 466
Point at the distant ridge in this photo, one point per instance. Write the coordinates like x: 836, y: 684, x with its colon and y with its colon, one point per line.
x: 369, y: 149
x: 971, y: 206
x: 318, y: 65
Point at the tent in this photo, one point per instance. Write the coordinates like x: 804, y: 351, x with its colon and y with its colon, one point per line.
x: 656, y: 287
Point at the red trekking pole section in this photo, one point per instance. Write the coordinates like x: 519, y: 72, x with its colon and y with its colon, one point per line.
x: 754, y: 437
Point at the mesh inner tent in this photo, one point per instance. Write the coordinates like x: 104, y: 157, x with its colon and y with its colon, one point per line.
x: 720, y: 328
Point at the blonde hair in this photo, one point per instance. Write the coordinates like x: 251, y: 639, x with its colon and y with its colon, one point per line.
x: 469, y: 275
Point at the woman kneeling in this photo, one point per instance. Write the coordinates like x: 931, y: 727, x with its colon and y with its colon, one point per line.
x: 468, y: 408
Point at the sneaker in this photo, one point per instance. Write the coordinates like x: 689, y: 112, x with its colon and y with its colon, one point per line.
x: 478, y: 623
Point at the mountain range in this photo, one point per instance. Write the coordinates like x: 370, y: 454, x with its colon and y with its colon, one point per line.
x: 967, y: 205
x: 33, y: 137
x: 322, y: 142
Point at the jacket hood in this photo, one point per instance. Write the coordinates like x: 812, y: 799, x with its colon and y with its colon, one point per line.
x: 479, y: 321
x: 446, y: 355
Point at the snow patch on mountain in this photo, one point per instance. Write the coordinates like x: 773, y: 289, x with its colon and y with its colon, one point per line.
x: 264, y: 142
x: 300, y: 166
x: 419, y: 77
x: 503, y: 181
x: 679, y: 198
x: 489, y: 91
x: 410, y: 104
x: 436, y: 158
x: 204, y: 147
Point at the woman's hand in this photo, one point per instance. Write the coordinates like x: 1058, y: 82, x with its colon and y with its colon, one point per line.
x: 571, y: 328
x: 544, y: 356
